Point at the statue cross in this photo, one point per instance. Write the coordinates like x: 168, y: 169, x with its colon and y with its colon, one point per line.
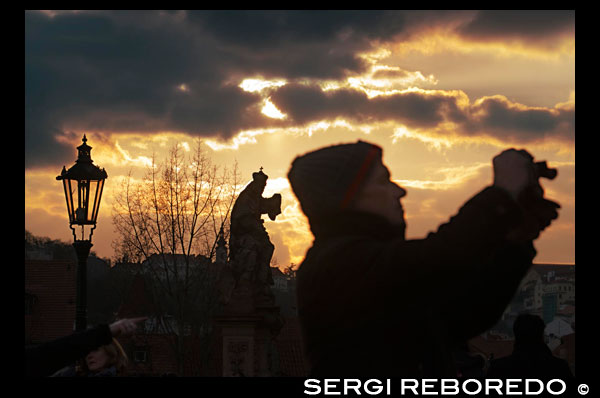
x: 261, y: 168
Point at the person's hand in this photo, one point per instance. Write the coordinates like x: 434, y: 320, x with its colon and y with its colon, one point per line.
x: 514, y: 171
x: 125, y: 326
x: 538, y: 214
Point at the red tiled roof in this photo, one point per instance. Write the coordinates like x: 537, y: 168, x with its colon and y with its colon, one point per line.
x: 53, y: 285
x: 292, y: 360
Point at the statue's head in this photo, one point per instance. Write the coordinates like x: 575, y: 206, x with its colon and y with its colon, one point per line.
x: 260, y: 176
x: 259, y: 179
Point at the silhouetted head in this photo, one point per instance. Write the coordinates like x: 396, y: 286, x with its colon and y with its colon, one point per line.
x: 528, y: 329
x: 258, y: 183
x: 260, y: 177
x: 345, y: 177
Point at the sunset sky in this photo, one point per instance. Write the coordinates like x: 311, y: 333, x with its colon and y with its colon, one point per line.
x: 441, y: 91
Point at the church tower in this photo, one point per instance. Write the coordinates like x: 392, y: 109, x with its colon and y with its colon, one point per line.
x: 221, y: 251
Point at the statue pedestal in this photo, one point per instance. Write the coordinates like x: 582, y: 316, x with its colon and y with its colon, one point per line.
x: 239, y: 348
x: 248, y: 327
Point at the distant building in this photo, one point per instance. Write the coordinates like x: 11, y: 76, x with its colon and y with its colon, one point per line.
x: 548, y: 290
x: 549, y: 307
x: 38, y: 253
x: 149, y: 352
x: 563, y: 289
x: 158, y: 265
x: 49, y: 299
x: 531, y: 291
x: 221, y: 250
x: 152, y: 351
x: 280, y: 281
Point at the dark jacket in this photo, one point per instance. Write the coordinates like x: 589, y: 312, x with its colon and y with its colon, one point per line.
x: 530, y: 362
x: 45, y: 359
x: 374, y: 304
x: 71, y: 371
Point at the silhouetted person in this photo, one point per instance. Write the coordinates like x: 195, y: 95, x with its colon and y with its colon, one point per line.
x: 531, y: 358
x: 47, y: 358
x: 372, y: 303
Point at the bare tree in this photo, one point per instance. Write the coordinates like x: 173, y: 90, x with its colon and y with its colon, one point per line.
x: 169, y: 222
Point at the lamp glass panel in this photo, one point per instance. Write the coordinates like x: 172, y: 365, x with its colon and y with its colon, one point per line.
x: 99, y: 185
x: 69, y: 191
x: 81, y: 211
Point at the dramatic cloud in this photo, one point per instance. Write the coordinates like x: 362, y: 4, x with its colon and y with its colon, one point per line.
x: 441, y: 91
x: 305, y: 104
x: 498, y: 116
x: 93, y: 71
x: 422, y: 109
x: 155, y: 71
x: 526, y: 25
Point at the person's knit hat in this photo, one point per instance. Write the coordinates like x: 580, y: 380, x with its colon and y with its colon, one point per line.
x: 326, y: 180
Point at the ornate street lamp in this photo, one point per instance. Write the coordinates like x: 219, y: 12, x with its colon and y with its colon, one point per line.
x: 83, y: 184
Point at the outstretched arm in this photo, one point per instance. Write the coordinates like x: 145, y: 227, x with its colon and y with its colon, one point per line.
x: 47, y: 358
x: 473, y: 298
x: 479, y: 257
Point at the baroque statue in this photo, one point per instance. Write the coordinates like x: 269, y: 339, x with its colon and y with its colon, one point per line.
x: 250, y: 247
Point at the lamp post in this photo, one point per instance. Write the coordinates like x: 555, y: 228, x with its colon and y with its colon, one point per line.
x: 83, y: 184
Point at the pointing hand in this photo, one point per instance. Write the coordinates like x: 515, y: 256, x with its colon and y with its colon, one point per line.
x: 125, y: 326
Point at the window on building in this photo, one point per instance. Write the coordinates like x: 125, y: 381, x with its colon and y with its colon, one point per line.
x: 140, y: 356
